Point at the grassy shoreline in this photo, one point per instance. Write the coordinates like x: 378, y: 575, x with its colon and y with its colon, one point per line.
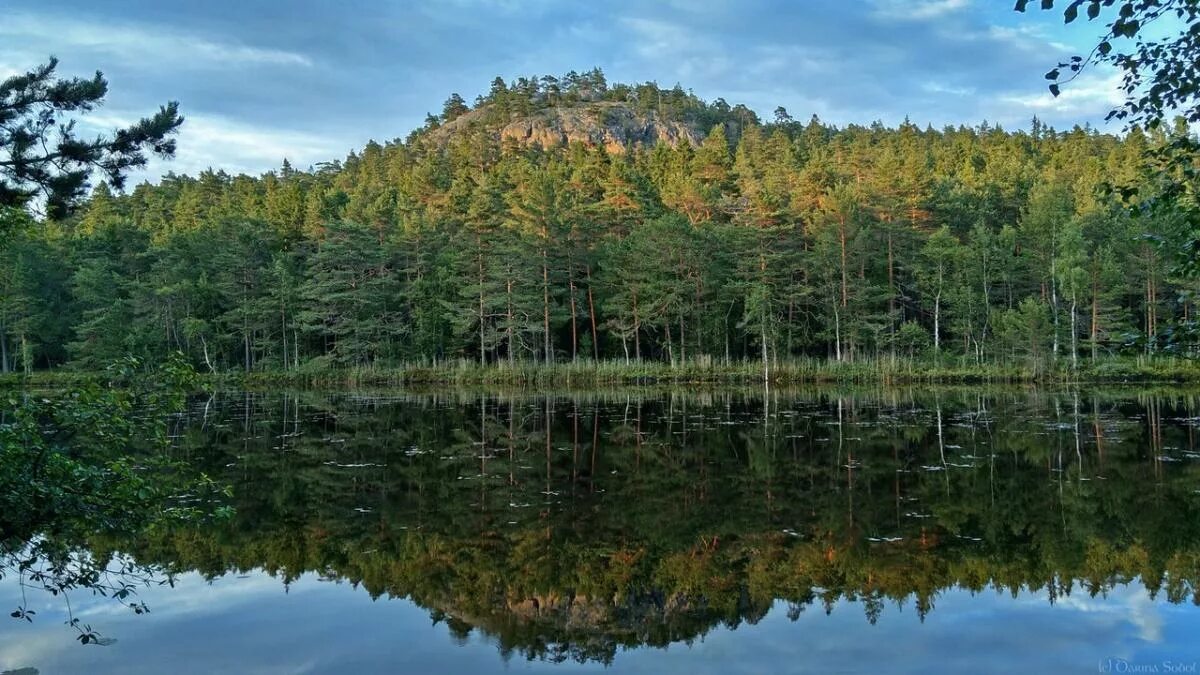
x: 706, y: 372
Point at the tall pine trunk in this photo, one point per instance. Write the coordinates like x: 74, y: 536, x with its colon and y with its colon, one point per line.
x: 26, y: 356
x: 937, y: 324
x: 245, y: 323
x: 891, y: 296
x: 1054, y: 306
x: 637, y: 329
x: 547, y: 353
x: 482, y: 317
x: 837, y: 332
x: 765, y: 363
x: 283, y: 333
x: 574, y: 312
x: 1094, y: 333
x: 592, y: 316
x: 3, y: 349
x: 682, y: 341
x: 508, y: 330
x: 842, y: 242
x: 1074, y: 337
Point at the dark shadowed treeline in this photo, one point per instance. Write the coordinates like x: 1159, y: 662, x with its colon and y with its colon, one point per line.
x: 969, y: 245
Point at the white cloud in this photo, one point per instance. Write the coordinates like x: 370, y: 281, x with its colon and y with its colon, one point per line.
x: 942, y: 88
x: 660, y: 39
x: 1125, y: 603
x: 139, y: 43
x: 213, y: 141
x: 772, y: 60
x: 690, y: 56
x: 191, y: 596
x: 1087, y: 95
x: 1030, y: 38
x: 917, y: 11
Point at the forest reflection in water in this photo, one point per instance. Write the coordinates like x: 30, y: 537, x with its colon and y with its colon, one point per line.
x: 569, y: 527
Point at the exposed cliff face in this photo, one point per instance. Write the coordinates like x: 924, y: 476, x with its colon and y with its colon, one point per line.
x: 615, y: 126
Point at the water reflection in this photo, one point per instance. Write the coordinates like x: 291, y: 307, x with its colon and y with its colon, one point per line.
x: 571, y: 528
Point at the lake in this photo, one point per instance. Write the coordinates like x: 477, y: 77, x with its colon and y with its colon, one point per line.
x: 814, y: 530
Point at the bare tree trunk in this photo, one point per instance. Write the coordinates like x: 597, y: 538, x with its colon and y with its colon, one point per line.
x: 637, y: 329
x: 891, y: 295
x: 1153, y: 307
x: 1054, y: 307
x: 766, y: 365
x: 283, y: 335
x: 937, y: 323
x: 1094, y: 334
x: 592, y: 316
x: 842, y: 241
x: 548, y: 354
x: 727, y: 332
x: 207, y: 362
x: 682, y: 341
x: 1074, y: 337
x: 574, y: 313
x: 3, y: 349
x: 508, y: 330
x: 482, y: 316
x: 837, y: 332
x: 791, y: 320
x: 245, y: 323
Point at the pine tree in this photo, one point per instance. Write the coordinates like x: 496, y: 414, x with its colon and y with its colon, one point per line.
x: 41, y: 157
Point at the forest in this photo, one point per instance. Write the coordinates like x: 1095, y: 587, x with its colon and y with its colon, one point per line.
x: 764, y: 242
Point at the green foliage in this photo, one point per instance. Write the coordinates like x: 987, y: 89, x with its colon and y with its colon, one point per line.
x: 93, y: 461
x: 42, y: 158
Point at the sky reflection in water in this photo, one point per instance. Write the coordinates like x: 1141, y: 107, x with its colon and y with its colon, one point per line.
x: 250, y: 625
x: 438, y: 522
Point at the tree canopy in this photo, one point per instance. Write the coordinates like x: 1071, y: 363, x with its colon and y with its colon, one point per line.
x: 971, y: 246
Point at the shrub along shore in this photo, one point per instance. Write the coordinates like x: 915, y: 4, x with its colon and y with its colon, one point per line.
x: 707, y: 372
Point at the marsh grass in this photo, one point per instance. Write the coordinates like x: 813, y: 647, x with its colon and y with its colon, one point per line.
x: 585, y: 373
x: 702, y: 371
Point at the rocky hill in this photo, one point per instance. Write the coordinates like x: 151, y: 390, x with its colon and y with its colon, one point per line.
x: 617, y: 126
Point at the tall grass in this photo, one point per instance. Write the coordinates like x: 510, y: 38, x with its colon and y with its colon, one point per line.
x: 586, y: 373
x: 706, y: 371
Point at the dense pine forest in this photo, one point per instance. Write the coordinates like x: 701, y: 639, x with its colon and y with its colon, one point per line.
x: 567, y: 219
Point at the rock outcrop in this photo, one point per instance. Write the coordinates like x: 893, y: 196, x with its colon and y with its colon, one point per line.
x: 615, y: 126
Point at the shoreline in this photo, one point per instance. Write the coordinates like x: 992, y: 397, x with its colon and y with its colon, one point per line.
x: 1134, y: 371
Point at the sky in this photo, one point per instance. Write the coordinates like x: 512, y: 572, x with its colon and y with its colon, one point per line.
x: 247, y: 623
x: 310, y: 80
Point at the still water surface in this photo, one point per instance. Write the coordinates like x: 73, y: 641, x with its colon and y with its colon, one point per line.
x: 824, y: 530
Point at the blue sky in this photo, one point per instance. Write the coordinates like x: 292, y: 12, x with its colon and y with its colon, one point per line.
x: 248, y: 624
x: 311, y: 80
